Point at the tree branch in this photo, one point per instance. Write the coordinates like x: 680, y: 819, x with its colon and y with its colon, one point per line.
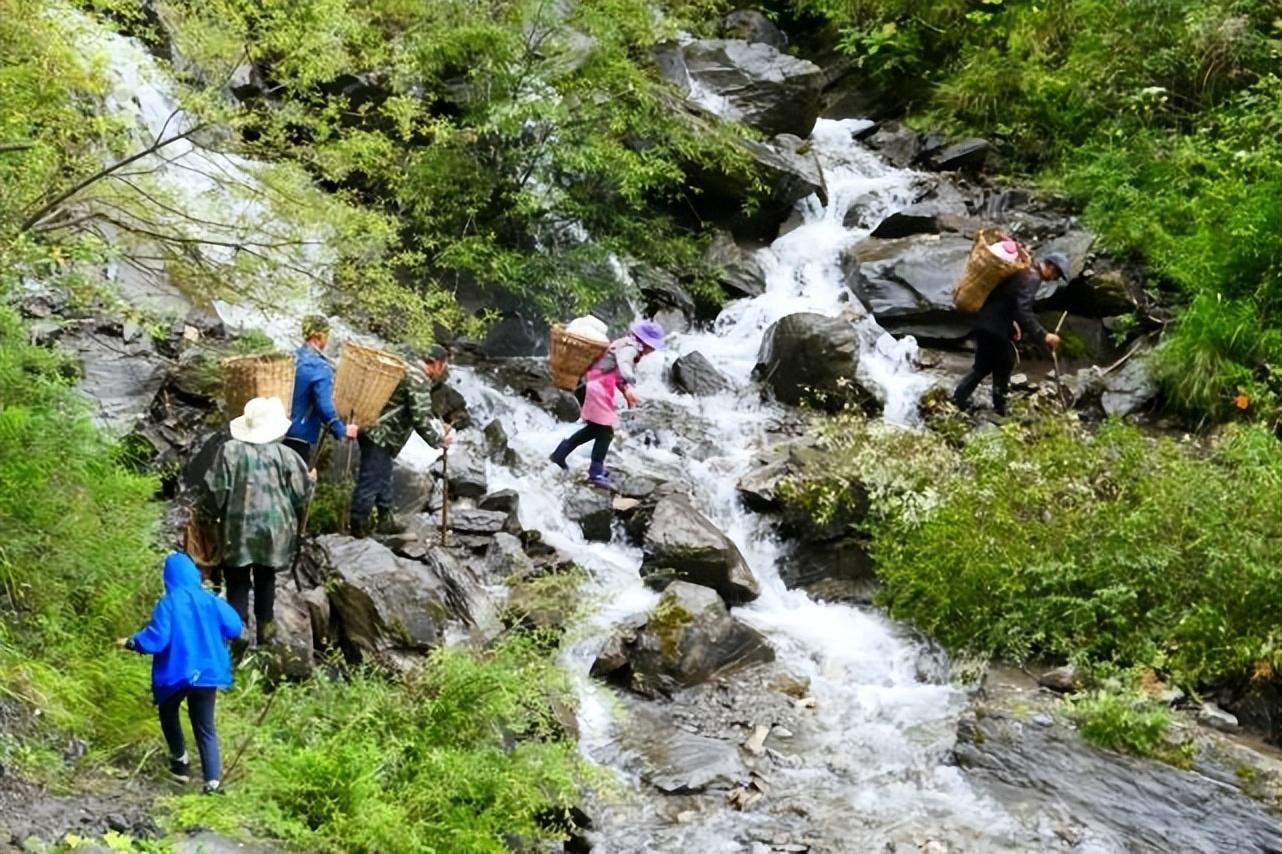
x: 44, y: 210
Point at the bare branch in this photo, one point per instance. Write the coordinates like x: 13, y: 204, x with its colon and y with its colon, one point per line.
x: 44, y: 210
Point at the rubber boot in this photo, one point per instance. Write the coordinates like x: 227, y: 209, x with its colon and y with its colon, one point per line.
x: 359, y: 528
x: 562, y: 451
x: 598, y: 477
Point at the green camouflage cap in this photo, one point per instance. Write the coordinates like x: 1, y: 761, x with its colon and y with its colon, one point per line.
x: 435, y: 353
x: 315, y: 324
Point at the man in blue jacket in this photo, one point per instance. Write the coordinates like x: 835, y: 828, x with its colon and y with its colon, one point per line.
x: 188, y: 636
x: 313, y: 407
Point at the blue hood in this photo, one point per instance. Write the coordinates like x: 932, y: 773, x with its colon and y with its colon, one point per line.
x: 188, y: 633
x: 180, y: 572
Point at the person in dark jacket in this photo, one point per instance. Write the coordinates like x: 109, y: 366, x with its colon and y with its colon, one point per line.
x: 1006, y: 317
x: 313, y: 404
x: 410, y: 409
x: 187, y: 637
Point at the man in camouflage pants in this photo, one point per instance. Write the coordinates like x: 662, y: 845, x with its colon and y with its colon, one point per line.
x: 408, y: 410
x: 253, y: 495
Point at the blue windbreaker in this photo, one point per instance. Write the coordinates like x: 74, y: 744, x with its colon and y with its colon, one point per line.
x: 313, y: 406
x: 188, y: 634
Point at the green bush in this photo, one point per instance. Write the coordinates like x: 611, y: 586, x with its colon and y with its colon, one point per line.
x: 465, y: 754
x: 1159, y: 116
x: 78, y: 563
x: 1052, y: 540
x: 1132, y: 724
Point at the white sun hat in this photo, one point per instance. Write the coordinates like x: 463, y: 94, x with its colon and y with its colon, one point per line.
x: 264, y: 421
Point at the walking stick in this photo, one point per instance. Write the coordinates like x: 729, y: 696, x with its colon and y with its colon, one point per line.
x: 262, y: 716
x: 445, y: 491
x: 1059, y: 386
x: 307, y: 512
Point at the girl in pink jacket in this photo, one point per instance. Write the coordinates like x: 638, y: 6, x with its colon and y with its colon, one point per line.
x: 614, y: 371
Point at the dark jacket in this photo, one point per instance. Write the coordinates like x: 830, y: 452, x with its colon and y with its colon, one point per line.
x: 188, y: 634
x: 1012, y: 301
x: 313, y: 397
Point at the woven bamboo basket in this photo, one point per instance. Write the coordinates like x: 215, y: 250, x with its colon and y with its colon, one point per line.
x: 257, y: 375
x: 200, y: 543
x: 569, y: 355
x: 985, y: 271
x: 364, y: 382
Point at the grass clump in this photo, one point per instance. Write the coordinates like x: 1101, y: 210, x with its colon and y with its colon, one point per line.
x: 464, y: 754
x: 1130, y: 724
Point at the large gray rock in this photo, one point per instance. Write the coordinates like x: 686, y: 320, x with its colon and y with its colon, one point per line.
x: 966, y: 155
x: 592, y: 510
x: 908, y: 283
x: 897, y: 142
x: 384, y: 602
x: 837, y: 571
x: 120, y: 372
x: 682, y: 545
x: 464, y: 470
x: 412, y: 489
x: 694, y: 374
x: 749, y: 82
x: 302, y: 630
x: 807, y: 356
x: 677, y: 762
x: 741, y: 272
x: 751, y: 26
x: 529, y: 378
x: 689, y: 638
x: 1122, y: 392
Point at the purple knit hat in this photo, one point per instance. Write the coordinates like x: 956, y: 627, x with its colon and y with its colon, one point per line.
x: 648, y: 332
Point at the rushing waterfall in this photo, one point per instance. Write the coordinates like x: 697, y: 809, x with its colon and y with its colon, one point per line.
x: 873, y: 766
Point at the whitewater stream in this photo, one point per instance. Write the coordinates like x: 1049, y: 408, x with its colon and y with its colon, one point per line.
x: 869, y: 765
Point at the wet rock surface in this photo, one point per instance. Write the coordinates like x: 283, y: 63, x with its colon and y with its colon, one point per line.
x: 681, y: 544
x: 33, y: 818
x: 687, y: 639
x: 809, y: 356
x: 694, y: 374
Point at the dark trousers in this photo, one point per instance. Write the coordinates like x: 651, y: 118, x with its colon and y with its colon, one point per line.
x: 373, y: 482
x: 260, y: 579
x: 600, y: 435
x: 200, y: 709
x: 994, y: 355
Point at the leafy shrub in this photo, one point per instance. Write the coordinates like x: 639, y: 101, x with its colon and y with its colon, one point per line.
x: 465, y: 754
x: 1131, y: 724
x: 1054, y: 540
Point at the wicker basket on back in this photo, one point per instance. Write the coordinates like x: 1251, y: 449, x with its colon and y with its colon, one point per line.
x: 257, y: 375
x: 985, y: 271
x: 364, y: 382
x: 569, y: 355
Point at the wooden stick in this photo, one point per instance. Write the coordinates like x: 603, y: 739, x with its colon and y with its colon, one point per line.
x: 262, y: 716
x: 445, y: 496
x: 1059, y: 386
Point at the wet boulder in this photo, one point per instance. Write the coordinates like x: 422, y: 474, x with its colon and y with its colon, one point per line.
x: 908, y: 283
x: 750, y: 82
x: 412, y: 488
x: 529, y: 378
x: 464, y: 471
x: 681, y: 544
x: 302, y: 630
x: 809, y: 356
x: 592, y: 509
x: 753, y: 27
x: 741, y: 273
x: 838, y: 570
x: 687, y: 639
x: 1125, y: 391
x: 694, y: 374
x: 384, y: 602
x: 968, y: 155
x: 121, y: 372
x: 897, y: 142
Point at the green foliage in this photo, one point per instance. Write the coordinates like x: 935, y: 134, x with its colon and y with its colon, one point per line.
x: 1051, y: 540
x: 1159, y: 115
x: 518, y: 143
x: 464, y: 754
x: 1130, y: 723
x: 77, y: 562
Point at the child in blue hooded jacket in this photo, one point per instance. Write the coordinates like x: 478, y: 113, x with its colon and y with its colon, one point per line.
x: 188, y: 636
